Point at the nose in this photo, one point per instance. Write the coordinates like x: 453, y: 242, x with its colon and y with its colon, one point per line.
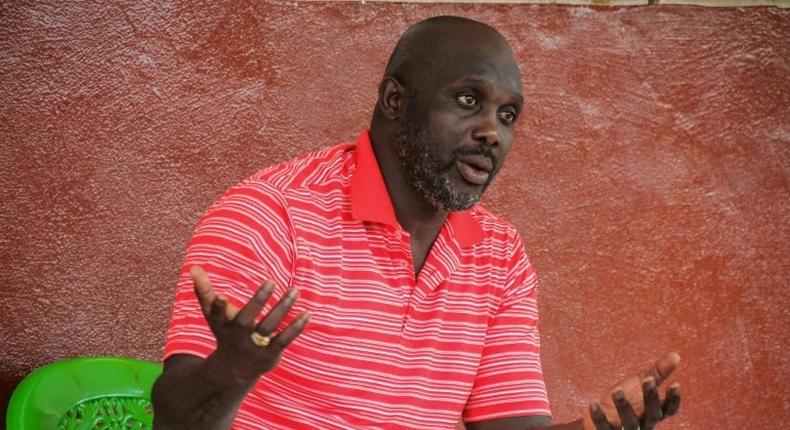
x: 486, y: 131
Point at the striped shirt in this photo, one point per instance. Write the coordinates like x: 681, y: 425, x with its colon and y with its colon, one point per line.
x: 382, y: 349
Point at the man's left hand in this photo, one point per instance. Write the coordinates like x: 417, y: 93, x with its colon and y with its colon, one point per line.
x: 634, y: 403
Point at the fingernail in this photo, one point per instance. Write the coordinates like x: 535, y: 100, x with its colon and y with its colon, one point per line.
x: 594, y: 407
x: 292, y: 293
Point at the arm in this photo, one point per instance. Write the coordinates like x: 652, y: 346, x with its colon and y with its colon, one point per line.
x: 510, y: 364
x: 193, y: 390
x: 196, y: 393
x: 509, y: 390
x: 633, y: 404
x: 244, y: 238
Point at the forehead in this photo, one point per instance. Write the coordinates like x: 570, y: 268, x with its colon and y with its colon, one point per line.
x: 486, y: 71
x: 504, y: 77
x: 436, y: 54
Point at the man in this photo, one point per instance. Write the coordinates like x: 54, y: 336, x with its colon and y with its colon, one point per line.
x: 422, y: 305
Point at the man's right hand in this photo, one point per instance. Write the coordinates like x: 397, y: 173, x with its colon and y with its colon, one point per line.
x: 234, y: 328
x: 195, y: 393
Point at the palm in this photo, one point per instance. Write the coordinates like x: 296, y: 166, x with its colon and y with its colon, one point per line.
x: 234, y: 327
x: 632, y: 387
x: 634, y: 402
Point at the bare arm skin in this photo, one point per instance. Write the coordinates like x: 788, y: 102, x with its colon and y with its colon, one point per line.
x: 633, y: 404
x: 197, y: 393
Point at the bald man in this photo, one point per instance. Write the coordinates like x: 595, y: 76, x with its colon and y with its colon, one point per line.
x: 422, y: 304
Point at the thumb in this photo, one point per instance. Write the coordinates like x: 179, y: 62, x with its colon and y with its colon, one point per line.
x: 662, y: 368
x: 206, y: 294
x: 203, y: 290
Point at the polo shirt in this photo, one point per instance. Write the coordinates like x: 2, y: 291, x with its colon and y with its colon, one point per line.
x: 383, y: 348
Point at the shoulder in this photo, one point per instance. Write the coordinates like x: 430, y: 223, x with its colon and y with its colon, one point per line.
x: 271, y: 186
x: 308, y: 169
x: 265, y: 197
x: 498, y: 231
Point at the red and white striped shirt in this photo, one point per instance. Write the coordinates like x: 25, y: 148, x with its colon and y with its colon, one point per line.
x: 382, y: 349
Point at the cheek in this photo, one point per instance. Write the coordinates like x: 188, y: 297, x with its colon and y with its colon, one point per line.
x: 505, y: 148
x: 506, y: 139
x: 502, y: 151
x: 445, y: 132
x: 451, y: 126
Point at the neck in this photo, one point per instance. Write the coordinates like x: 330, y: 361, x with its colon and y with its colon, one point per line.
x: 414, y: 214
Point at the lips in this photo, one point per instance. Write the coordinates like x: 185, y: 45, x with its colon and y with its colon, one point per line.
x: 475, y: 169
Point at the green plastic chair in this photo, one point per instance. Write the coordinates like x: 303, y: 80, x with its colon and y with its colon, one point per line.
x: 85, y: 393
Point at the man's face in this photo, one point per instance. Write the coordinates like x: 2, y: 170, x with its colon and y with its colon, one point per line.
x: 456, y: 133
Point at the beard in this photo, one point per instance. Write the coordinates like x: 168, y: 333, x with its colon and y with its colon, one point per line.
x: 429, y: 173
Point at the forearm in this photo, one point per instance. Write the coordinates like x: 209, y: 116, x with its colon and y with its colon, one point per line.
x: 199, y: 394
x: 574, y: 425
x: 524, y: 423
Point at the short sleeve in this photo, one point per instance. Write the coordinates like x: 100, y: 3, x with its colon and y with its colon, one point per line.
x: 244, y: 238
x: 509, y: 381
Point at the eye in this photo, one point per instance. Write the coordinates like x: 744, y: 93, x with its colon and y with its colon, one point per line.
x: 466, y: 100
x: 507, y: 116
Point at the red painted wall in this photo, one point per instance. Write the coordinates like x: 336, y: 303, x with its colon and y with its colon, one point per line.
x: 649, y: 180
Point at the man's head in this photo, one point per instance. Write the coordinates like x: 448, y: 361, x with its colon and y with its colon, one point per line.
x: 452, y: 92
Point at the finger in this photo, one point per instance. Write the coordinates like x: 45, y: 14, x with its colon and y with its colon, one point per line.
x: 276, y: 315
x: 628, y: 418
x: 203, y: 290
x: 216, y: 315
x: 672, y: 402
x: 599, y: 418
x: 653, y: 412
x: 246, y: 317
x: 663, y: 367
x: 290, y: 333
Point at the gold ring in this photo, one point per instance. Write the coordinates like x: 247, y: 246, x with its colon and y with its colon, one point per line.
x: 260, y: 340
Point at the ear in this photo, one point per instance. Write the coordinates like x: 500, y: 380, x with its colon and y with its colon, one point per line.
x: 392, y: 97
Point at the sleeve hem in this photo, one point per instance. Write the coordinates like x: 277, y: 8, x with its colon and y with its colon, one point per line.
x: 498, y: 415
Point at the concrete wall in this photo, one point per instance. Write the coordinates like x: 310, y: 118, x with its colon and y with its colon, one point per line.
x: 649, y: 179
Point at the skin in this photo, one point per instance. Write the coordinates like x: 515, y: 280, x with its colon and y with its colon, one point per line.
x: 196, y: 393
x: 452, y: 88
x: 470, y: 103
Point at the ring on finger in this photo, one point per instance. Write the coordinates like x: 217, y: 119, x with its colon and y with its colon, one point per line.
x: 260, y: 340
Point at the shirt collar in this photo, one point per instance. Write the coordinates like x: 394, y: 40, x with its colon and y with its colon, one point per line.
x: 370, y: 200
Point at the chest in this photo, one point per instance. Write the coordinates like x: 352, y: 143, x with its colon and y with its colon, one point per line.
x: 380, y: 336
x: 361, y: 289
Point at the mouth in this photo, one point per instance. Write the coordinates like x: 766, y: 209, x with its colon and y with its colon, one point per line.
x: 475, y: 169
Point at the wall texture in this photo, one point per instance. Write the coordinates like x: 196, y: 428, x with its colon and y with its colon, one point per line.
x: 649, y: 179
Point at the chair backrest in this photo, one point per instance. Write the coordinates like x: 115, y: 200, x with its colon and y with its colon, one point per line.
x: 85, y: 393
